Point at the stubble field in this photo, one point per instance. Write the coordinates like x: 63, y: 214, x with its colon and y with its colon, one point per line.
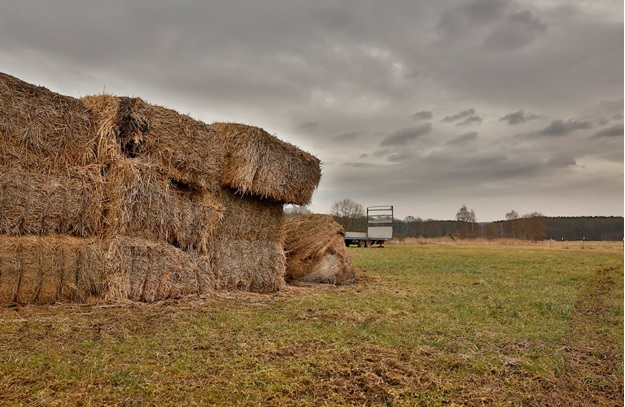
x: 425, y: 324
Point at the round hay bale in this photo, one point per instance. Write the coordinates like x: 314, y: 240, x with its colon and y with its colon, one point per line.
x: 316, y: 252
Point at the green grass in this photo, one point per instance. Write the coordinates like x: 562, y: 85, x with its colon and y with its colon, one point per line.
x: 432, y: 324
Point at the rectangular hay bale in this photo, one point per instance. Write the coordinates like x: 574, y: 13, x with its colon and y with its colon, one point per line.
x: 143, y: 202
x: 37, y: 204
x: 47, y: 269
x: 42, y: 131
x: 144, y: 270
x: 249, y: 218
x: 260, y: 164
x: 244, y: 265
x: 183, y: 148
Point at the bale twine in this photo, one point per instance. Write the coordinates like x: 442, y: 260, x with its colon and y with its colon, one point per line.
x: 316, y: 252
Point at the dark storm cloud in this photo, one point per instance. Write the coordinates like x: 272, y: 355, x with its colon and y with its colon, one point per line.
x: 423, y: 115
x: 407, y: 135
x: 470, y: 121
x: 612, y: 131
x: 463, y: 139
x: 458, y: 116
x: 518, y: 117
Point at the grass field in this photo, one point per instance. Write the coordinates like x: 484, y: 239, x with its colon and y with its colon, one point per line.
x: 428, y: 324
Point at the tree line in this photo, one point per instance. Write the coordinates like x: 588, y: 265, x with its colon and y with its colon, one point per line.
x: 532, y: 226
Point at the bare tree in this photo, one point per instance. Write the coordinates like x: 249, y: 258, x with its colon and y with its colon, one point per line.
x: 512, y: 217
x: 466, y: 222
x: 349, y: 214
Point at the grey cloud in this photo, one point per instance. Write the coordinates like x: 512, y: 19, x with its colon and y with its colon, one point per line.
x: 463, y: 138
x: 469, y: 121
x: 561, y: 161
x: 561, y: 127
x: 407, y: 135
x: 308, y: 126
x: 456, y: 21
x: 458, y: 116
x: 521, y: 28
x: 358, y: 164
x: 518, y: 117
x: 423, y: 115
x: 348, y: 136
x: 612, y: 131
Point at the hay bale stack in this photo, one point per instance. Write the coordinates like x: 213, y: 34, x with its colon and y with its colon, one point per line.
x: 144, y: 202
x: 47, y: 269
x: 35, y: 204
x: 183, y: 148
x: 316, y: 252
x: 42, y: 131
x: 247, y: 246
x: 259, y: 164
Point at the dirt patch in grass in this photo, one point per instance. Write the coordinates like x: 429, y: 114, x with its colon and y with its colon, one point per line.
x: 593, y: 355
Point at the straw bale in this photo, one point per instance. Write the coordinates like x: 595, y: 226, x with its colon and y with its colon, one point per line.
x: 37, y: 204
x: 183, y: 148
x: 245, y: 265
x: 249, y: 218
x: 43, y: 131
x: 315, y: 250
x: 47, y: 269
x: 258, y: 163
x: 145, y: 270
x: 146, y: 203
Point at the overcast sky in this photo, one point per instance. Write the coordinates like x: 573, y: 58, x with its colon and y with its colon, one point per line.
x: 424, y: 105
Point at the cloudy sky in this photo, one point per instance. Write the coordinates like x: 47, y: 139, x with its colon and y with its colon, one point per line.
x: 424, y: 105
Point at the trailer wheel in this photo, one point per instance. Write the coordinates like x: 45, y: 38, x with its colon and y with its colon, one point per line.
x: 361, y: 243
x: 368, y: 243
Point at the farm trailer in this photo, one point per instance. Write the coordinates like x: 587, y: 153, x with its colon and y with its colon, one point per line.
x: 379, y: 228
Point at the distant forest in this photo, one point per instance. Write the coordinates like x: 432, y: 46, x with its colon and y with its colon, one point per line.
x: 535, y: 228
x: 591, y: 228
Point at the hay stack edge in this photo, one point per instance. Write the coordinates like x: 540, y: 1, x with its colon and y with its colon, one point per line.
x: 111, y: 198
x: 316, y: 252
